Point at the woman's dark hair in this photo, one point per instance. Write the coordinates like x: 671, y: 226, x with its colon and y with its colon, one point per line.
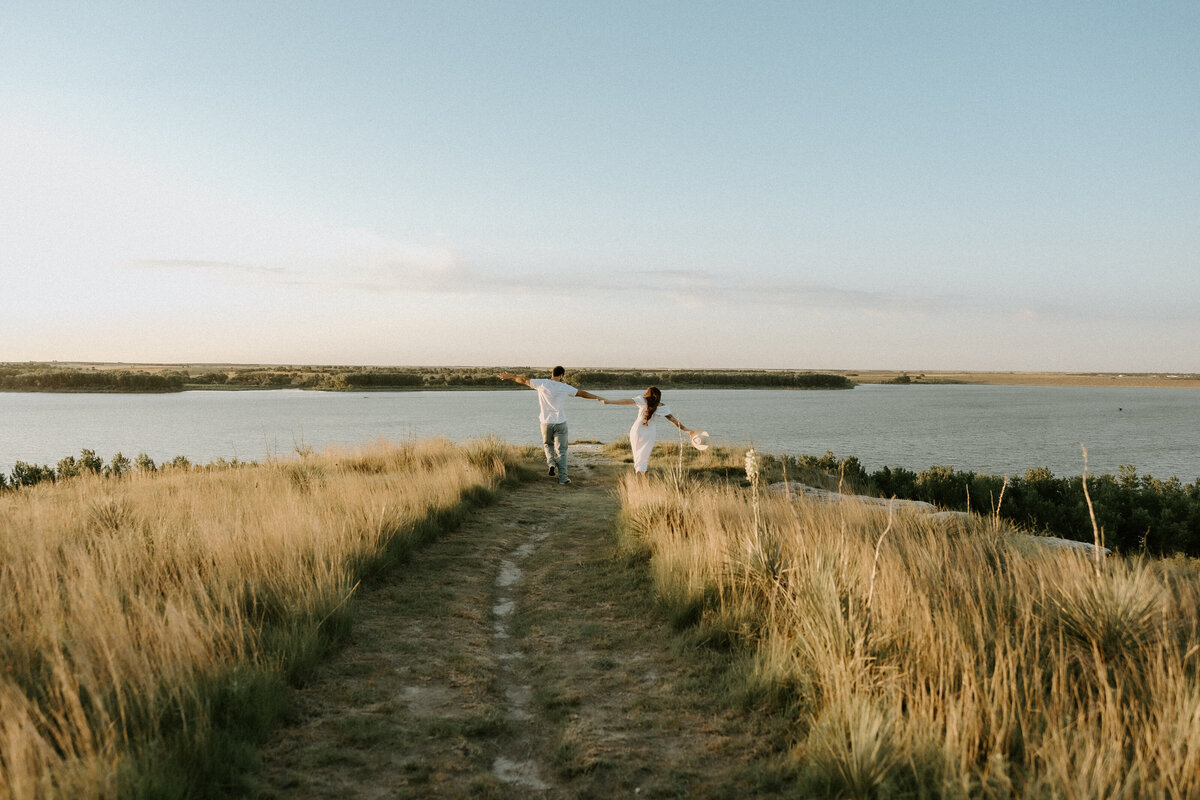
x: 653, y: 398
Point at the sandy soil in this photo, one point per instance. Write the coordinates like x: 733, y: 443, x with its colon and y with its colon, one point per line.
x: 521, y: 656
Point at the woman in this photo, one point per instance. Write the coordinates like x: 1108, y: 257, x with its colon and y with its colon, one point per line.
x: 642, y: 434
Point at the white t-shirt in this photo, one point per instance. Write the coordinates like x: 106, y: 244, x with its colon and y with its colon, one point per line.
x: 552, y: 399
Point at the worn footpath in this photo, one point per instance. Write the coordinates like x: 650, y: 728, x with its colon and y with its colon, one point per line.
x: 521, y: 656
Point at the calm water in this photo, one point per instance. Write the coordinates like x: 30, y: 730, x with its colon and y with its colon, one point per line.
x: 997, y: 429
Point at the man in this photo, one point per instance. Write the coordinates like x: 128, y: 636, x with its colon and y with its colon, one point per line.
x: 552, y: 397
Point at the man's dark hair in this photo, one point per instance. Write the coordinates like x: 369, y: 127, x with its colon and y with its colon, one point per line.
x: 558, y: 372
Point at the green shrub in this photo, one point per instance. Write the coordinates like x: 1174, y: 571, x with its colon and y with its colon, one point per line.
x: 89, y: 461
x: 24, y: 474
x: 1136, y: 512
x: 67, y: 468
x: 119, y: 465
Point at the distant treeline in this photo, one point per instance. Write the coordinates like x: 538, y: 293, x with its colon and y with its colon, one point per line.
x: 1136, y: 512
x: 348, y: 379
x: 333, y: 378
x: 40, y: 378
x: 681, y: 379
x: 51, y: 378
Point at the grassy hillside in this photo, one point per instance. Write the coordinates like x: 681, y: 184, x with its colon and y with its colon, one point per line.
x: 151, y: 621
x: 926, y: 655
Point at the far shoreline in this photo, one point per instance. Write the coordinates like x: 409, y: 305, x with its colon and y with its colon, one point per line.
x: 1133, y: 380
x: 727, y: 378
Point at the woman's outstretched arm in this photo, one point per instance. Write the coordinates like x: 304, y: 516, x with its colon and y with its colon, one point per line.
x: 628, y: 402
x: 679, y: 424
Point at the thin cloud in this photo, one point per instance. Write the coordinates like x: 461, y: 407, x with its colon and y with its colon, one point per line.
x: 217, y: 269
x: 398, y: 268
x: 354, y: 260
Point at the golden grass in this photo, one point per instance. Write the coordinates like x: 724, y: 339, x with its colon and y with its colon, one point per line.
x: 979, y: 668
x: 124, y: 602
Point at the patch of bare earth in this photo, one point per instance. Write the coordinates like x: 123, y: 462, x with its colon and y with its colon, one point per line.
x: 521, y: 656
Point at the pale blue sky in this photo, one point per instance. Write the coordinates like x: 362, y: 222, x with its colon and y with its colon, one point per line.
x: 953, y: 185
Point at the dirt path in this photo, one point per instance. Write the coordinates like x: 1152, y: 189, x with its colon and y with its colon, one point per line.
x: 520, y: 657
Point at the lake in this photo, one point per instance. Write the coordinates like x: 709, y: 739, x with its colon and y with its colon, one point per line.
x: 996, y: 429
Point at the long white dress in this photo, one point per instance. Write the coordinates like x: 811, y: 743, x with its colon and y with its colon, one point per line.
x: 641, y: 437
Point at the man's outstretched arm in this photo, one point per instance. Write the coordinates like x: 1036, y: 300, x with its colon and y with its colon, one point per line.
x: 588, y: 395
x: 508, y: 376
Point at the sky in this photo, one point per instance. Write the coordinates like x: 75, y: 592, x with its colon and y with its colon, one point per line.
x: 781, y: 185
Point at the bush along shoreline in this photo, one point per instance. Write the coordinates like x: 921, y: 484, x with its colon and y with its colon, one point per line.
x: 26, y: 474
x: 1137, y: 513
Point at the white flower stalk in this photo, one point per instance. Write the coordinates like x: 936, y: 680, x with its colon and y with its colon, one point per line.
x: 752, y: 466
x: 752, y: 475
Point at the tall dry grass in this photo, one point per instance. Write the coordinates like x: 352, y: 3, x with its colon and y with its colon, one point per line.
x: 980, y: 666
x: 149, y: 623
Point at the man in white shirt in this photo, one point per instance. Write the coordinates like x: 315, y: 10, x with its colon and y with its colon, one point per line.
x: 552, y: 413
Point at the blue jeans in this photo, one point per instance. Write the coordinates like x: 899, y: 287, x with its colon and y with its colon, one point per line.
x: 554, y: 441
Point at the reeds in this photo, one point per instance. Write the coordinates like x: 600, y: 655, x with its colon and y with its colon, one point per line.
x: 947, y: 659
x: 149, y: 622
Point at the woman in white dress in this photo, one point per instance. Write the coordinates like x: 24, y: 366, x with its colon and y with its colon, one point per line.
x: 643, y: 432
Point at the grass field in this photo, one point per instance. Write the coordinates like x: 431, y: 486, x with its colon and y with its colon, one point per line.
x: 151, y: 623
x: 924, y: 656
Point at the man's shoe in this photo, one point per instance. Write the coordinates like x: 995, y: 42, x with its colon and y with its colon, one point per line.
x: 564, y: 483
x: 553, y: 471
